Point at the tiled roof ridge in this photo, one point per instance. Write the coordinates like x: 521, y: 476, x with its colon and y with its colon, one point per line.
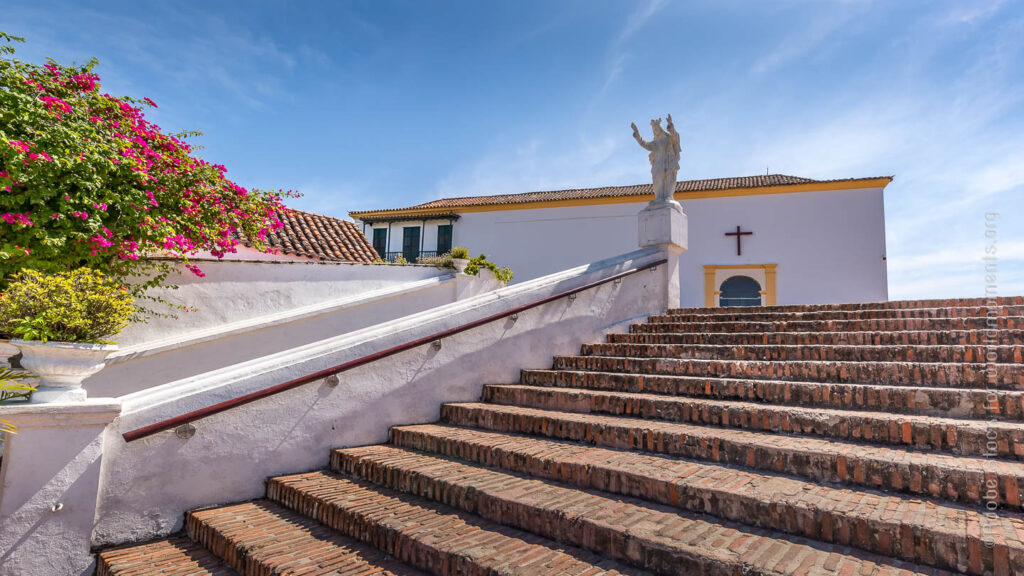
x: 701, y: 184
x: 625, y: 186
x: 320, y: 237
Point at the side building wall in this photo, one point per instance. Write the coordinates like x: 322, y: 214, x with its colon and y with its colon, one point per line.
x: 428, y: 232
x: 828, y: 246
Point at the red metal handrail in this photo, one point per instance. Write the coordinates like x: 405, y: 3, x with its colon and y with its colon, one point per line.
x: 176, y: 421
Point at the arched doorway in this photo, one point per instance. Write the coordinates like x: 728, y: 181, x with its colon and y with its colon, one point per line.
x: 740, y: 291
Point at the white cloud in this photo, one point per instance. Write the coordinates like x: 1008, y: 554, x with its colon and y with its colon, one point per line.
x: 971, y: 11
x: 618, y: 54
x: 823, y: 34
x: 638, y: 18
x: 593, y: 160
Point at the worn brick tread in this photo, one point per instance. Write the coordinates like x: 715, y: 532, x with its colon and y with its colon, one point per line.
x: 912, y: 529
x: 957, y: 478
x: 934, y: 374
x: 832, y: 353
x: 262, y: 537
x: 174, y: 556
x: 952, y: 402
x: 431, y: 536
x: 967, y: 437
x: 653, y: 536
x: 872, y: 325
x: 833, y: 439
x: 887, y: 304
x: 753, y: 313
x: 892, y: 338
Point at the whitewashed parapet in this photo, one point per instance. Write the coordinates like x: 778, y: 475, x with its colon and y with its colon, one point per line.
x: 185, y: 354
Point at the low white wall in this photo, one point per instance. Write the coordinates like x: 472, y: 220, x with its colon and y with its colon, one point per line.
x: 247, y: 309
x: 147, y: 485
x: 238, y: 290
x: 183, y: 355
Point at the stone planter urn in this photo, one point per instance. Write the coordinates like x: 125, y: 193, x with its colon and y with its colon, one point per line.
x: 61, y: 367
x: 460, y: 264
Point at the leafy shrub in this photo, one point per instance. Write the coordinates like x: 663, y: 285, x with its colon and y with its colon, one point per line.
x: 460, y: 252
x: 442, y: 261
x: 79, y: 306
x: 503, y: 274
x: 400, y: 259
x: 12, y: 387
x: 86, y: 180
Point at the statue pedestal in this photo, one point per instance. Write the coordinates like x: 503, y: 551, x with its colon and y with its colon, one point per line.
x: 663, y: 225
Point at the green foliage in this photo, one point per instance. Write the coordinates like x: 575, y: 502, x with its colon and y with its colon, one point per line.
x: 12, y: 387
x: 442, y: 261
x: 83, y: 305
x: 400, y: 259
x: 503, y: 274
x: 460, y: 252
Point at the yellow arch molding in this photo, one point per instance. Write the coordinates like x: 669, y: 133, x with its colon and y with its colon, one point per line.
x: 710, y: 289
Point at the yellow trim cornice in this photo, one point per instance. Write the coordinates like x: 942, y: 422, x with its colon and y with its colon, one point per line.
x: 857, y: 184
x: 711, y: 289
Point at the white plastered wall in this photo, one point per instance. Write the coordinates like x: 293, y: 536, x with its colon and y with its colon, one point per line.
x: 829, y: 245
x: 428, y: 232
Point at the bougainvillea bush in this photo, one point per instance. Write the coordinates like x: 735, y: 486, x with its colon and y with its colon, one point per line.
x: 86, y: 180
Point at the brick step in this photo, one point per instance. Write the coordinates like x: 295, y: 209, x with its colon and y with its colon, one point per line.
x: 174, y: 556
x: 890, y: 304
x: 653, y: 536
x: 432, y: 537
x: 841, y: 353
x: 881, y: 325
x: 950, y: 402
x: 918, y: 338
x: 955, y: 478
x: 760, y: 314
x: 261, y: 537
x: 928, y: 531
x: 966, y: 437
x: 935, y: 374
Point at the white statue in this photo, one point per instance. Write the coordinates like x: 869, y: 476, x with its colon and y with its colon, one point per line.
x: 664, y: 155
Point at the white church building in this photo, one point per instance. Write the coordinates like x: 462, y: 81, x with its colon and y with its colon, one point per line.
x: 772, y: 239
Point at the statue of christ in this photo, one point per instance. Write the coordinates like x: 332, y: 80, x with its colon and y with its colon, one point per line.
x: 664, y: 151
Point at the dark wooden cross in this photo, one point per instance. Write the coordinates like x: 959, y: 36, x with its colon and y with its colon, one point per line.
x: 739, y: 236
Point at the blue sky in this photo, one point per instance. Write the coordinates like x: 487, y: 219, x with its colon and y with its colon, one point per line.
x: 377, y: 104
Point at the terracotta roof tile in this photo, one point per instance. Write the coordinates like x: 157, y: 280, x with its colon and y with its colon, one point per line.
x: 321, y: 237
x: 760, y: 181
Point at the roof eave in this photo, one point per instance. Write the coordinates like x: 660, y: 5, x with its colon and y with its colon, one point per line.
x: 397, y: 214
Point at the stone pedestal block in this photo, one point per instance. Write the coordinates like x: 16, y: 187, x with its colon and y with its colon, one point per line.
x: 663, y: 225
x: 48, y: 486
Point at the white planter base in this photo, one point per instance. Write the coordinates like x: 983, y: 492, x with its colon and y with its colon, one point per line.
x: 47, y: 394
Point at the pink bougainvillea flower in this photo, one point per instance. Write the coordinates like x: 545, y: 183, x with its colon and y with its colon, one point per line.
x: 12, y: 218
x: 128, y: 190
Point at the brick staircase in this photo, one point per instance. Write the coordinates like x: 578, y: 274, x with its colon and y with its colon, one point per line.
x: 834, y: 439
